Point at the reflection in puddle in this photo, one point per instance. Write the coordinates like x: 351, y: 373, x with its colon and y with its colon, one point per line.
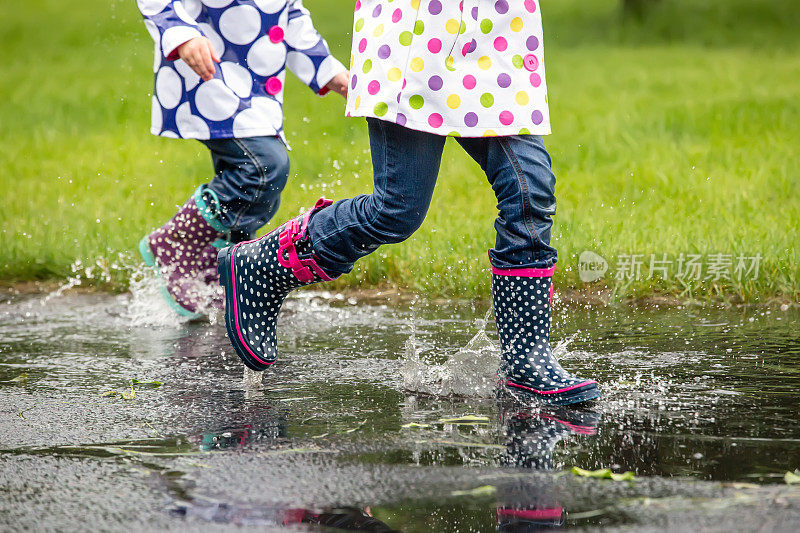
x: 391, y: 409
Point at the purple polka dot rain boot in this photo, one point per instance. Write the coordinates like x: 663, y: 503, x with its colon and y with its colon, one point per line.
x: 529, y: 369
x: 183, y: 251
x: 257, y: 276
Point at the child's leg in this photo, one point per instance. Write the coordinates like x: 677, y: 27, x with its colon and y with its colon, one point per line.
x: 405, y: 164
x: 522, y: 260
x: 326, y: 241
x: 250, y: 175
x: 519, y: 171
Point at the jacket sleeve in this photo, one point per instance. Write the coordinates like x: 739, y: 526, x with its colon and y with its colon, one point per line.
x: 169, y: 24
x: 308, y: 57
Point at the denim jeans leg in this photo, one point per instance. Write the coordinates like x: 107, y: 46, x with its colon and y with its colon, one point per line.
x: 250, y: 174
x: 405, y: 164
x: 519, y: 171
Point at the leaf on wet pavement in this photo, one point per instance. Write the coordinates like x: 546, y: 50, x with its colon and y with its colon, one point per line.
x: 109, y: 393
x: 22, y: 378
x: 129, y: 395
x: 603, y: 473
x: 467, y: 419
x: 484, y: 490
x: 792, y: 478
x: 154, y: 384
x: 415, y: 425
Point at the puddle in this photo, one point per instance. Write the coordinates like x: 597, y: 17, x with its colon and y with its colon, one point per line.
x: 383, y: 418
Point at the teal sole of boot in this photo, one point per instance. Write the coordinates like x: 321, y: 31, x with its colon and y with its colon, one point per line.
x: 225, y: 270
x: 150, y: 260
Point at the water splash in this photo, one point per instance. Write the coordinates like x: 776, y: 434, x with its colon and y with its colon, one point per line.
x: 470, y: 372
x: 251, y: 380
x: 146, y: 305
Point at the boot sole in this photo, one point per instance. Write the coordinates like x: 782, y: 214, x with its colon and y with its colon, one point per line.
x: 581, y: 394
x: 226, y: 273
x: 150, y: 260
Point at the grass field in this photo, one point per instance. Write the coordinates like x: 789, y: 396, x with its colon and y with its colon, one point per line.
x: 676, y: 135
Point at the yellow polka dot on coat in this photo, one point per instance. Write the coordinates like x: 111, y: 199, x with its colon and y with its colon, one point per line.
x: 484, y: 63
x: 452, y: 26
x: 453, y: 101
x: 415, y: 4
x: 522, y: 98
x: 394, y: 74
x: 490, y: 133
x: 516, y: 24
x: 378, y: 31
x: 358, y: 102
x: 417, y: 64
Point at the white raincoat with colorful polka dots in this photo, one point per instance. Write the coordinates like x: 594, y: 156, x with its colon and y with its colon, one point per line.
x: 256, y: 40
x: 470, y: 68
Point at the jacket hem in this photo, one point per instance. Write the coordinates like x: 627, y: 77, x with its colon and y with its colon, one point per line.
x: 450, y: 130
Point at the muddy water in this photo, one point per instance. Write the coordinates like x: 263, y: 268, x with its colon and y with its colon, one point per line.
x: 360, y: 418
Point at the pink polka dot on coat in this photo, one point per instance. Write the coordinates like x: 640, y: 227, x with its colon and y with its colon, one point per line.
x: 373, y: 87
x: 435, y: 46
x: 506, y: 118
x: 273, y: 86
x: 500, y: 44
x: 530, y: 5
x: 362, y: 45
x: 435, y: 120
x: 397, y: 15
x: 469, y: 81
x: 275, y: 34
x: 536, y: 80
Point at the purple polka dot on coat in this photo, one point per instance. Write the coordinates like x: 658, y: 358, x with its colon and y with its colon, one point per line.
x: 435, y: 83
x: 435, y: 7
x: 537, y: 117
x: 384, y: 51
x: 532, y: 43
x: 353, y: 81
x: 471, y: 119
x: 501, y: 6
x: 377, y: 11
x: 503, y: 80
x: 401, y: 119
x: 475, y: 13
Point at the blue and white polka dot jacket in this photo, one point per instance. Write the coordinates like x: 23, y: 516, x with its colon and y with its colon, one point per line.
x: 256, y: 40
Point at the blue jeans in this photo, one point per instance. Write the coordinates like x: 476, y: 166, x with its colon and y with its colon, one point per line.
x: 406, y: 164
x: 250, y: 174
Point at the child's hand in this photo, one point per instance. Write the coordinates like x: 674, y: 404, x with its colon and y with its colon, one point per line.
x: 340, y: 83
x: 200, y: 55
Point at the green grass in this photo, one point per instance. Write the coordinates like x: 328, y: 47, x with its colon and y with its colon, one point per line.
x: 675, y: 135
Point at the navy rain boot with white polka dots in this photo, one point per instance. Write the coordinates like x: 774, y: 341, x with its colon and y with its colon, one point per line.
x: 529, y: 369
x: 257, y: 276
